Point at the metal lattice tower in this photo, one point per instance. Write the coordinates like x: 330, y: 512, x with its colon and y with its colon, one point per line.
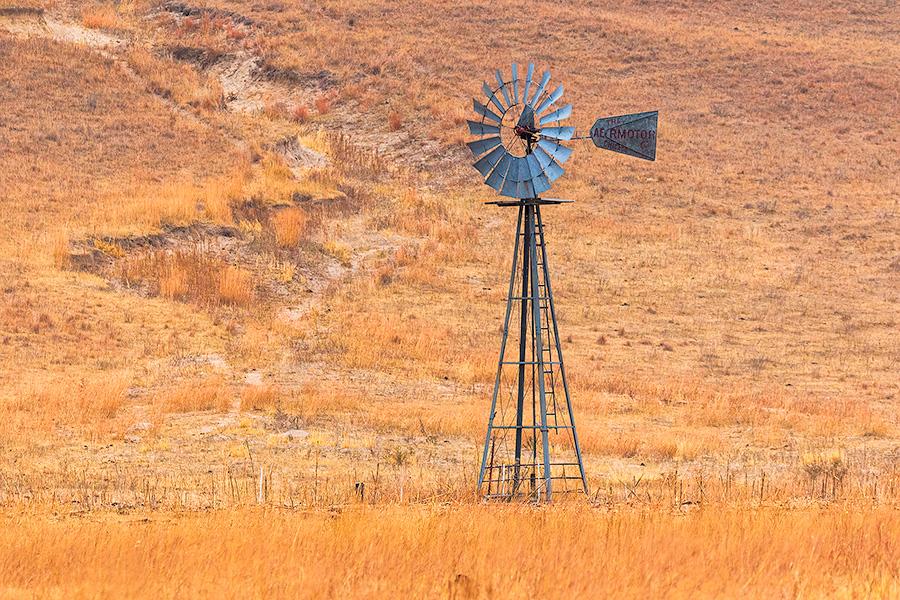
x: 531, y: 450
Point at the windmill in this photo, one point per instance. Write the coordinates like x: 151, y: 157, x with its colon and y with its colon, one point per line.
x: 531, y: 450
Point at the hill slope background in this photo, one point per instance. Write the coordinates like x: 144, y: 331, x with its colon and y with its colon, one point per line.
x: 247, y: 268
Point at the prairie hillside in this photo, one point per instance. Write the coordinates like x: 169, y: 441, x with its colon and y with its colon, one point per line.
x: 251, y: 300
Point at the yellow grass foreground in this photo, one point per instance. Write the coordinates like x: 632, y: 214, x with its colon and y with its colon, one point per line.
x: 457, y: 552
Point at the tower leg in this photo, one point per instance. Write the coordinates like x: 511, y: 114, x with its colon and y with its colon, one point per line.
x: 539, y: 351
x: 562, y: 368
x: 512, y: 288
x: 523, y: 339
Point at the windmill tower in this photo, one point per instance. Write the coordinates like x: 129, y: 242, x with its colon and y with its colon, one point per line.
x: 531, y: 451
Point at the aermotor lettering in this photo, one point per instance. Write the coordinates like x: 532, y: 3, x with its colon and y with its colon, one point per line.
x: 623, y: 134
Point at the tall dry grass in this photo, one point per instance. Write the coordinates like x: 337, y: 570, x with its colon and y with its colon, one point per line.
x: 100, y: 17
x: 459, y: 552
x: 208, y: 393
x: 261, y: 397
x: 290, y: 226
x: 85, y: 404
x: 193, y: 274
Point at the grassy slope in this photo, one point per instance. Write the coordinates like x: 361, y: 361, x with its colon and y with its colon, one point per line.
x: 82, y: 144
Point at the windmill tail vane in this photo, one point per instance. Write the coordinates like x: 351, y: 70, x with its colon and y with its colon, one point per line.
x: 531, y: 451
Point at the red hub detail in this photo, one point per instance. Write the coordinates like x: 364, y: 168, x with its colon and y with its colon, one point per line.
x: 525, y: 132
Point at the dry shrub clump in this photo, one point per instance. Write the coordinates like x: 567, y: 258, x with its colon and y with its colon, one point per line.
x: 196, y: 395
x: 349, y: 159
x: 290, y: 225
x: 261, y: 397
x: 830, y: 463
x: 235, y: 286
x: 300, y: 113
x: 395, y: 122
x: 191, y: 275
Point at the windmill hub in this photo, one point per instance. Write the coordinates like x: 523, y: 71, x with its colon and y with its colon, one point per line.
x: 527, y: 133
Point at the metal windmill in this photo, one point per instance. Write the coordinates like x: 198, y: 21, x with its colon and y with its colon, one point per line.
x: 531, y: 450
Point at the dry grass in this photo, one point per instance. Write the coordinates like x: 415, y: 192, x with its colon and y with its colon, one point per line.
x: 85, y: 405
x: 176, y: 82
x: 100, y: 17
x: 260, y: 397
x: 200, y: 394
x: 408, y: 552
x: 192, y: 275
x: 290, y: 225
x: 89, y: 141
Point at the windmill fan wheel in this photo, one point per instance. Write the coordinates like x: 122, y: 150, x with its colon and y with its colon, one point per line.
x: 520, y: 131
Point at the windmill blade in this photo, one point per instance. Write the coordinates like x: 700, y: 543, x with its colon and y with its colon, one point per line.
x: 540, y: 90
x: 479, y: 128
x: 485, y: 112
x: 560, y: 153
x: 554, y: 171
x: 551, y: 169
x: 542, y: 158
x: 511, y: 183
x: 526, y: 119
x: 487, y: 162
x: 541, y: 184
x: 495, y: 179
x: 634, y: 135
x: 538, y: 180
x: 479, y: 147
x: 534, y: 166
x: 515, y: 82
x: 564, y: 134
x: 526, y: 189
x: 557, y: 115
x: 490, y: 95
x: 528, y: 82
x: 522, y: 171
x: 502, y: 87
x: 556, y: 95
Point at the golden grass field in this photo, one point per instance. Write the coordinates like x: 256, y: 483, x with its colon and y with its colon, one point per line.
x: 251, y: 301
